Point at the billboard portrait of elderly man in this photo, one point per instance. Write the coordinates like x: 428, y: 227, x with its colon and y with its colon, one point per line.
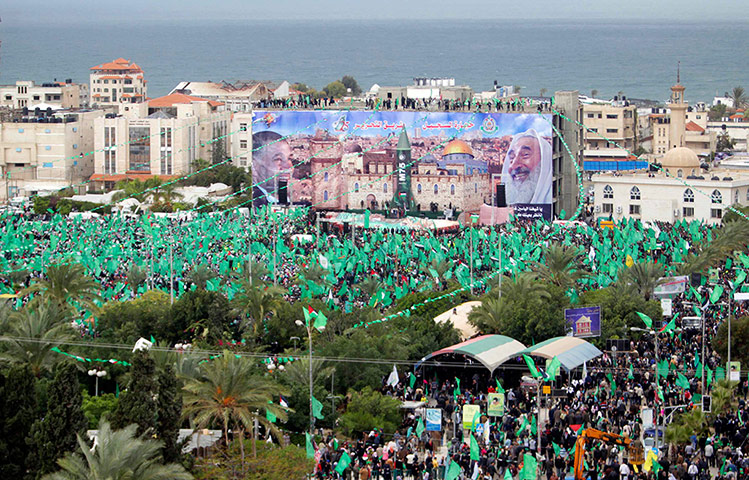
x: 271, y: 167
x: 526, y: 171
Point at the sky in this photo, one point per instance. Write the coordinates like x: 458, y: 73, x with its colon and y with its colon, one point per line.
x: 77, y: 11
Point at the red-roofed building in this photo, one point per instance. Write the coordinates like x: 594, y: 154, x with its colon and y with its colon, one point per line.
x: 117, y: 82
x: 163, y: 136
x: 693, y: 127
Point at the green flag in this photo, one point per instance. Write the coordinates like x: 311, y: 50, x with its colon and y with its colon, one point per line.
x: 508, y: 475
x: 681, y: 381
x: 647, y: 320
x: 420, y: 427
x: 499, y: 386
x: 320, y: 321
x: 670, y: 327
x: 343, y: 463
x: 310, y: 447
x: 475, y: 452
x: 557, y: 448
x: 453, y: 471
x: 411, y: 380
x: 716, y: 294
x: 317, y: 408
x: 553, y: 370
x: 531, y: 366
x: 631, y: 374
x: 530, y: 468
x: 270, y: 416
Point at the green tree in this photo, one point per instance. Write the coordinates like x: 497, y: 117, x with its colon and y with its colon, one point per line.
x: 725, y: 143
x: 717, y: 112
x: 228, y: 392
x: 561, y: 266
x: 618, y: 311
x: 350, y: 83
x: 684, y: 426
x: 369, y: 409
x: 143, y: 316
x: 17, y: 415
x: 138, y: 403
x: 96, y: 408
x: 55, y: 435
x: 136, y: 277
x: 739, y: 97
x: 739, y: 337
x: 32, y: 334
x: 273, y: 463
x: 119, y: 454
x: 169, y: 407
x: 68, y: 285
x: 200, y: 275
x: 643, y: 276
x: 218, y: 151
x: 256, y: 302
x: 335, y: 89
x: 202, y: 314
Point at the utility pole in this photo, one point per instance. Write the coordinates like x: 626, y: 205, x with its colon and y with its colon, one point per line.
x: 171, y: 272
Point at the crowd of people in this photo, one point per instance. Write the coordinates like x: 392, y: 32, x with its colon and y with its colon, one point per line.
x: 609, y: 393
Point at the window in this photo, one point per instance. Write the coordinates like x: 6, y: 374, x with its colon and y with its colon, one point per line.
x: 243, y: 144
x: 242, y: 127
x: 75, y: 145
x: 356, y: 187
x: 747, y: 194
x: 612, y: 130
x: 735, y: 196
x: 591, y: 115
x: 716, y: 213
x: 608, y: 207
x: 436, y: 187
x: 20, y: 130
x: 680, y: 173
x: 325, y: 177
x: 140, y: 149
x: 243, y: 161
x: 608, y: 192
x: 612, y: 116
x: 688, y: 212
x: 166, y: 150
x: 36, y: 97
x: 594, y: 130
x: 688, y: 196
x: 452, y: 189
x: 634, y: 193
x: 716, y: 197
x: 418, y: 189
x: 385, y: 187
x: 325, y: 196
x: 634, y: 209
x: 18, y: 149
x: 475, y: 188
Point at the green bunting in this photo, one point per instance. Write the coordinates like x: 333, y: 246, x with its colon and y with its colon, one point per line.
x: 317, y: 409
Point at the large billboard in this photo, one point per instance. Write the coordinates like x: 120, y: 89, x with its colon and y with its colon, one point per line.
x: 407, y: 160
x: 584, y: 321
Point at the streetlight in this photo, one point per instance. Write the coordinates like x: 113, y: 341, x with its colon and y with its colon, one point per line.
x: 655, y: 335
x: 309, y: 327
x: 96, y: 373
x: 294, y: 339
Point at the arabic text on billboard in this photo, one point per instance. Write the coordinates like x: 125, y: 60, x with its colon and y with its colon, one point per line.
x: 362, y: 159
x: 583, y: 322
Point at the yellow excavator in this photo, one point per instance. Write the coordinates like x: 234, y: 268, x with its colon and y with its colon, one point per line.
x: 587, y: 436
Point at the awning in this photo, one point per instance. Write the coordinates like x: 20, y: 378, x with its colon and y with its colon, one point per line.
x: 571, y: 351
x: 490, y: 350
x: 459, y: 319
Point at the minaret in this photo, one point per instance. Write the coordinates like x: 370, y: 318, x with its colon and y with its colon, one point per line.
x: 678, y: 113
x: 403, y: 195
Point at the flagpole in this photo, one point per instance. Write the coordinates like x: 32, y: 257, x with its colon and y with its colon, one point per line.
x: 311, y: 416
x: 499, y: 287
x: 470, y: 232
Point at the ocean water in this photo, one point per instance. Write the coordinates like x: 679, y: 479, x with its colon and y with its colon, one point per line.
x: 637, y: 59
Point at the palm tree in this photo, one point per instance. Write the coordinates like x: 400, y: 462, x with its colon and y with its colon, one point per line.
x: 594, y: 93
x: 16, y: 278
x: 166, y: 194
x: 542, y: 92
x: 129, y: 189
x: 229, y: 392
x: 739, y: 97
x: 117, y: 454
x: 33, y: 332
x: 643, y: 276
x: 441, y: 267
x: 561, y: 266
x: 200, y: 275
x: 254, y: 271
x: 297, y: 372
x: 370, y: 286
x: 488, y: 317
x: 136, y: 277
x: 257, y: 302
x: 68, y: 285
x: 524, y: 285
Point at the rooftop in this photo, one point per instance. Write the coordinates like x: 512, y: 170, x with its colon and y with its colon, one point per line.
x: 179, y: 98
x: 119, y: 64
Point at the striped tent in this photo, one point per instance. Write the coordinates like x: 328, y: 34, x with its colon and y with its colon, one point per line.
x: 571, y: 351
x: 489, y: 350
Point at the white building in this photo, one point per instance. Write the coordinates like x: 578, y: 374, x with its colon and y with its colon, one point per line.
x: 56, y: 95
x: 688, y: 192
x: 117, y: 82
x: 46, y: 154
x: 163, y: 137
x: 240, y: 139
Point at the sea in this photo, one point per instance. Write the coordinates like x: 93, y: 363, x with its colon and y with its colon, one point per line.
x: 632, y: 58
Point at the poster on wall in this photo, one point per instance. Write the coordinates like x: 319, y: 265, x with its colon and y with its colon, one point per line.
x: 417, y: 161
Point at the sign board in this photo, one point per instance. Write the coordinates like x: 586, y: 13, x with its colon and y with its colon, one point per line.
x: 469, y: 411
x: 434, y: 419
x: 734, y: 369
x: 713, y: 276
x: 496, y: 405
x: 546, y: 389
x: 671, y: 286
x: 583, y: 322
x: 666, y: 306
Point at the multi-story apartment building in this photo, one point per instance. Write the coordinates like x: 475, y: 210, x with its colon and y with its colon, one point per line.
x: 55, y: 95
x: 163, y: 137
x: 46, y: 153
x: 117, y: 82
